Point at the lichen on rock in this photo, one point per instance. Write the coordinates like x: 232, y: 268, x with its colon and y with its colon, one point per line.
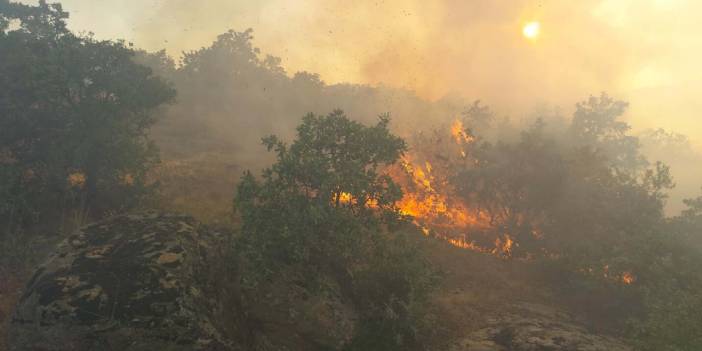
x: 531, y: 327
x: 127, y: 283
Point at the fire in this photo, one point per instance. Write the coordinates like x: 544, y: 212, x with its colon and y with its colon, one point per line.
x: 625, y: 277
x: 430, y: 198
x: 459, y: 132
x: 431, y: 201
x: 424, y: 201
x: 464, y: 244
x: 76, y: 180
x: 345, y: 198
x: 504, y: 246
x: 628, y: 278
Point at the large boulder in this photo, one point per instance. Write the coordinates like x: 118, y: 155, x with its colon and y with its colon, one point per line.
x: 133, y: 282
x: 532, y: 327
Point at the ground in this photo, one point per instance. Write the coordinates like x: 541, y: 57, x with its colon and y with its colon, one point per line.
x: 478, y: 291
x: 489, y: 303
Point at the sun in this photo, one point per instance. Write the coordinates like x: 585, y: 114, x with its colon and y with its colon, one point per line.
x: 531, y: 30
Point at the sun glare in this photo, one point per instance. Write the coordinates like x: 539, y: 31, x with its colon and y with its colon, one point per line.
x: 531, y: 30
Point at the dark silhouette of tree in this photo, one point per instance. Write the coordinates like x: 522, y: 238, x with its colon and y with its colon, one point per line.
x: 74, y: 117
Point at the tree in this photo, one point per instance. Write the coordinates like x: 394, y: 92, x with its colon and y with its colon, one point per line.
x: 74, y: 117
x: 596, y: 124
x: 324, y: 193
x: 671, y: 285
x: 516, y: 184
x: 325, y: 208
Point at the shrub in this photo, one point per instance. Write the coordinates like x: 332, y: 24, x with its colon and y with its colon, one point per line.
x: 325, y: 207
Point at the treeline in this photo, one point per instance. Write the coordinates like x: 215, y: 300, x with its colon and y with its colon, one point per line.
x: 230, y: 93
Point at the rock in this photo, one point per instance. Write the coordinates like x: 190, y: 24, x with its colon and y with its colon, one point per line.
x: 129, y: 283
x: 529, y: 327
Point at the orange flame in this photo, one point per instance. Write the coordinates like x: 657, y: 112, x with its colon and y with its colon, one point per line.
x: 459, y: 133
x: 348, y: 199
x: 345, y: 198
x: 427, y: 198
x: 438, y: 210
x: 628, y: 278
x: 504, y: 247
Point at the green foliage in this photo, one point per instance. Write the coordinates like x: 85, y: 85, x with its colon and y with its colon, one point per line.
x: 325, y: 207
x: 596, y: 124
x: 598, y: 204
x: 392, y: 294
x: 299, y: 213
x: 672, y: 320
x: 517, y: 184
x: 74, y: 118
x: 671, y: 285
x: 586, y: 202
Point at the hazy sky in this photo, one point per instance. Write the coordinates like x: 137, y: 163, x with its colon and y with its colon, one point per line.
x: 645, y: 51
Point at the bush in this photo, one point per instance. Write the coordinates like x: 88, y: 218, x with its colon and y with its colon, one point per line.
x: 672, y: 286
x: 324, y: 207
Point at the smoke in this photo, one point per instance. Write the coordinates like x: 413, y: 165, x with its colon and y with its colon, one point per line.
x: 646, y: 52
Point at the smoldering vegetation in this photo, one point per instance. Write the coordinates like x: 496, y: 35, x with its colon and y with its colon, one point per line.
x: 414, y: 220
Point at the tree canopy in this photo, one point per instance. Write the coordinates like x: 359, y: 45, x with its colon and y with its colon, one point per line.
x: 325, y: 207
x: 74, y: 116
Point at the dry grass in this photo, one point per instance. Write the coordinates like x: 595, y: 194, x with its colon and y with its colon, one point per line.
x: 202, y: 186
x: 477, y: 286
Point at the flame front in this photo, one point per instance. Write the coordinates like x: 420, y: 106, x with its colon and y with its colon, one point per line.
x: 431, y: 200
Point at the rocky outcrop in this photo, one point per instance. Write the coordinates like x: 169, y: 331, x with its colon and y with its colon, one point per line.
x: 146, y: 282
x: 530, y: 327
x: 129, y: 283
x: 150, y: 282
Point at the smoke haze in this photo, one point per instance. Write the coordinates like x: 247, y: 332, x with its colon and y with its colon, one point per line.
x: 643, y: 52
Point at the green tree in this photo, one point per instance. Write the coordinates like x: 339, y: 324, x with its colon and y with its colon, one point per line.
x: 74, y: 117
x: 671, y: 285
x: 596, y: 124
x: 325, y: 207
x: 516, y: 184
x: 324, y: 196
